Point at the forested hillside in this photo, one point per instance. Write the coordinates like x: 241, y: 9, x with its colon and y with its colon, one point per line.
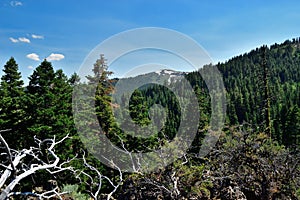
x: 256, y: 157
x: 244, y: 81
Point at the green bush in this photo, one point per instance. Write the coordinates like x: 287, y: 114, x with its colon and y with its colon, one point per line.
x: 73, y: 192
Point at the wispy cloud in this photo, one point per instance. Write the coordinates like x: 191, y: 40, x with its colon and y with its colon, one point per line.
x: 13, y: 40
x: 16, y: 3
x: 20, y: 39
x: 23, y: 39
x: 30, y: 67
x: 55, y: 56
x: 33, y: 56
x: 37, y: 36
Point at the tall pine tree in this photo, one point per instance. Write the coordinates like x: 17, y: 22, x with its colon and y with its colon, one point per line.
x: 12, y: 106
x: 104, y: 89
x: 40, y: 100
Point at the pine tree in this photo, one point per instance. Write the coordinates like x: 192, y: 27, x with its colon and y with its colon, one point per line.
x: 74, y: 79
x: 266, y: 90
x: 101, y: 75
x: 49, y: 113
x: 41, y: 79
x: 62, y: 104
x: 41, y: 101
x: 104, y: 89
x: 12, y: 106
x: 291, y: 127
x: 138, y: 109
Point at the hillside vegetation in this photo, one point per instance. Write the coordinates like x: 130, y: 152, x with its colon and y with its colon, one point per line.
x: 256, y: 156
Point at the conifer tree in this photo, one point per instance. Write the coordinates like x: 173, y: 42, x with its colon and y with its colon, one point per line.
x: 40, y: 100
x: 103, y: 92
x: 12, y: 106
x: 41, y: 79
x: 266, y: 90
x: 74, y: 79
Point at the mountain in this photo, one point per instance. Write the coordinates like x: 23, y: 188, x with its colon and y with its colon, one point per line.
x: 247, y: 160
x: 164, y: 76
x: 244, y: 80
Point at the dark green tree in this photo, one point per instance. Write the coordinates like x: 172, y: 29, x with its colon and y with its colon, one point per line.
x: 138, y: 109
x: 74, y: 79
x: 266, y: 91
x: 41, y: 101
x: 42, y: 78
x: 49, y: 98
x: 291, y: 126
x: 12, y: 107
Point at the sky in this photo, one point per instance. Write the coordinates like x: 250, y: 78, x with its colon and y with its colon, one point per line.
x: 66, y: 31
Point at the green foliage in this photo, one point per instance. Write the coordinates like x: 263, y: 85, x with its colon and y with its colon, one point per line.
x: 254, y: 164
x: 176, y: 181
x: 263, y: 89
x: 257, y: 80
x: 298, y: 193
x: 73, y: 192
x: 12, y: 103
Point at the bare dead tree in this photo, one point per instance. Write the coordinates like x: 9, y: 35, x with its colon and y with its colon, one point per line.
x: 19, y: 164
x: 19, y: 169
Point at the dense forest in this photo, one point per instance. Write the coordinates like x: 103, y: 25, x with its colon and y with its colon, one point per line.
x: 256, y: 156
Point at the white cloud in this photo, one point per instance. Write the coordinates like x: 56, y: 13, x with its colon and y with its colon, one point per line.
x: 13, y: 40
x: 37, y: 36
x: 20, y: 39
x: 33, y: 56
x: 30, y: 67
x: 55, y: 56
x: 16, y: 3
x: 23, y: 39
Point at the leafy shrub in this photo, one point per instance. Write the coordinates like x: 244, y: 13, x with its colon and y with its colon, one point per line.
x: 74, y: 193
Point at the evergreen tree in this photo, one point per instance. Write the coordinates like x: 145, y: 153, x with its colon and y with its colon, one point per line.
x: 42, y: 78
x: 12, y: 106
x: 104, y: 89
x: 291, y: 127
x: 49, y: 113
x: 41, y: 101
x: 266, y: 90
x: 139, y: 109
x: 74, y: 79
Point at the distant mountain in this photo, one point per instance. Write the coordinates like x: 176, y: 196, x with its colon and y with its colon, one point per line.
x: 164, y: 76
x: 244, y: 81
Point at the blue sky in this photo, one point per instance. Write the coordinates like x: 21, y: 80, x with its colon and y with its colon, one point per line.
x: 65, y: 31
